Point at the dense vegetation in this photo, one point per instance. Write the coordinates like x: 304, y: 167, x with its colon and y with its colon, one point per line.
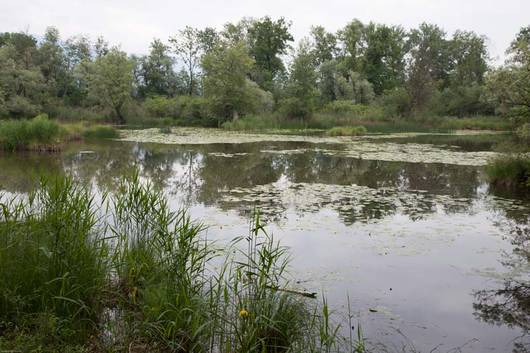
x: 131, y: 275
x: 364, y: 74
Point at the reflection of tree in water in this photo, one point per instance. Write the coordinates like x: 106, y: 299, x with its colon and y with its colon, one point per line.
x: 510, y: 304
x: 205, y: 173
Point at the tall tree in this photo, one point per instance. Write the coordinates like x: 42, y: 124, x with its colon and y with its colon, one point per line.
x: 383, y: 57
x: 469, y: 56
x: 508, y: 87
x: 268, y: 40
x: 303, y: 81
x: 225, y: 79
x: 324, y: 45
x: 110, y: 81
x: 156, y: 71
x: 351, y: 45
x: 429, y: 63
x: 188, y: 46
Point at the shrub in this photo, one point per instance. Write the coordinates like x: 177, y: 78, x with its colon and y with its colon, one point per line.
x: 347, y: 131
x: 163, y: 107
x: 291, y: 108
x: 21, y: 107
x: 396, y: 103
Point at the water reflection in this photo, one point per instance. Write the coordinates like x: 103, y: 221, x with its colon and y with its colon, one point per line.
x: 510, y: 304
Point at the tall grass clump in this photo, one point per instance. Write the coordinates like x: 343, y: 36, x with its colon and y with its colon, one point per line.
x: 161, y: 266
x: 37, y: 133
x: 130, y: 274
x: 262, y: 315
x: 510, y: 173
x: 53, y: 266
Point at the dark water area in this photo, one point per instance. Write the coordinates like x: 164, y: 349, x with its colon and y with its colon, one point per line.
x: 429, y: 257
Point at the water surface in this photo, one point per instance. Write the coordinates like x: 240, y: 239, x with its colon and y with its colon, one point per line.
x: 405, y: 225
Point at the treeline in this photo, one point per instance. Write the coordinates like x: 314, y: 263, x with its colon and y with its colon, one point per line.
x: 209, y: 76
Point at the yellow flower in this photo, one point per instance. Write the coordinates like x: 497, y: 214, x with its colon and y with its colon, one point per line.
x: 243, y: 313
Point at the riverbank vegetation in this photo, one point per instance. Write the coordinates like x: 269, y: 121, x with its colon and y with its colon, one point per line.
x: 43, y: 134
x: 122, y: 272
x: 250, y: 75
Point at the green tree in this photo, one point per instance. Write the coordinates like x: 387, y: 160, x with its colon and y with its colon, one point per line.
x: 507, y: 87
x: 188, y: 46
x: 21, y: 81
x: 324, y: 45
x: 268, y: 40
x: 429, y: 63
x: 351, y: 46
x: 110, y: 81
x: 301, y: 88
x: 225, y: 80
x: 469, y: 56
x: 383, y: 57
x: 156, y: 73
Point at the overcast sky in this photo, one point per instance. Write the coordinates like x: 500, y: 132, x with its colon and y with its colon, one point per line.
x: 134, y: 23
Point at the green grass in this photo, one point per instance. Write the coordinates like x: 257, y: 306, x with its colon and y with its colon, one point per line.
x: 39, y: 133
x: 74, y: 271
x: 53, y: 264
x: 347, y: 131
x: 510, y: 173
x: 100, y: 132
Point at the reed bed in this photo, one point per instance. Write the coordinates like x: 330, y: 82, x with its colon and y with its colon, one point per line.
x: 126, y: 273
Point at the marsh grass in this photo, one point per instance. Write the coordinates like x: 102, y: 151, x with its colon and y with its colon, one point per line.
x: 39, y: 133
x: 53, y: 264
x: 127, y: 273
x: 510, y: 173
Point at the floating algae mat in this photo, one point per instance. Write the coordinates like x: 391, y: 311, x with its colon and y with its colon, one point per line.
x: 354, y: 203
x: 410, y: 152
x: 354, y: 147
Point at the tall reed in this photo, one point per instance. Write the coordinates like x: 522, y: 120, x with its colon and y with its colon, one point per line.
x: 53, y: 263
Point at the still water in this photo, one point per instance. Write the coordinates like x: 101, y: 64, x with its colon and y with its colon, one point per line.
x: 404, y: 226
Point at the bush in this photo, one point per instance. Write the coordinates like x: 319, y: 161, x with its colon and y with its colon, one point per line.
x: 292, y: 108
x: 396, y: 103
x: 21, y: 107
x: 347, y: 131
x: 510, y: 173
x: 158, y: 107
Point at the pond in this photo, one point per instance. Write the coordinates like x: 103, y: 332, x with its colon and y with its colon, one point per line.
x: 403, y: 225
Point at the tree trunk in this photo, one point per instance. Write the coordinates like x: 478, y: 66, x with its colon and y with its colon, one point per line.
x: 235, y: 115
